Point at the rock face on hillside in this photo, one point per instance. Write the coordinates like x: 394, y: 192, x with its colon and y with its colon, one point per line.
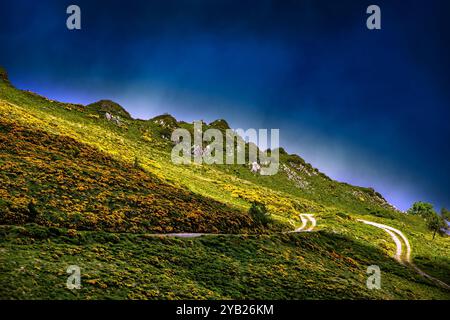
x: 110, y: 107
x: 165, y: 120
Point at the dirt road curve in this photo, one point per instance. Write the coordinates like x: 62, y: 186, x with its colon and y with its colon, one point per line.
x: 400, y: 256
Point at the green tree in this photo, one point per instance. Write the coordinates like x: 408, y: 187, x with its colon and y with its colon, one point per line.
x: 425, y: 210
x: 445, y: 214
x: 259, y: 213
x: 32, y: 211
x: 435, y: 224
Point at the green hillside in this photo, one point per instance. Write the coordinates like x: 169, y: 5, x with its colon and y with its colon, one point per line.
x: 91, y: 186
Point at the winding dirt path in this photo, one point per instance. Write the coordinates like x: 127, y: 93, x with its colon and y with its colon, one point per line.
x: 313, y: 222
x: 304, y: 217
x: 404, y: 258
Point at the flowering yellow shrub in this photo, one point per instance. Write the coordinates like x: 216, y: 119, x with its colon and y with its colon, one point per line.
x: 75, y: 186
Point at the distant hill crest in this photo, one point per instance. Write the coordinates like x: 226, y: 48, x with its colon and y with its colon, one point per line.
x: 108, y: 106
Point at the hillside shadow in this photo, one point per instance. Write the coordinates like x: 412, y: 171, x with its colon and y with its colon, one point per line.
x: 322, y: 265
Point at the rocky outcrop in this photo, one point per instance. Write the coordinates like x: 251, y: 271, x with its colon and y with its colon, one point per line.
x: 107, y: 106
x: 4, y: 76
x: 219, y: 124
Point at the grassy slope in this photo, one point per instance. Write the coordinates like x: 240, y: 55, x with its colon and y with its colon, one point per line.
x: 106, y: 147
x: 298, y: 266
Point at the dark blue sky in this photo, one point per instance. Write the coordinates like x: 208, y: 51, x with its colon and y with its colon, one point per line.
x: 367, y: 107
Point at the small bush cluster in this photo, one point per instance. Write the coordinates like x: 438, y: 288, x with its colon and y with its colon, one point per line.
x: 259, y: 213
